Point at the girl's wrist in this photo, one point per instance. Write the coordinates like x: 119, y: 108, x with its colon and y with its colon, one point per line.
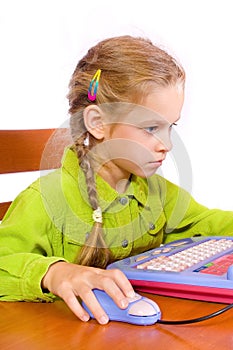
x: 51, y: 270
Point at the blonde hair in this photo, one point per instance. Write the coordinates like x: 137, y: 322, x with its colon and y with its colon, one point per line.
x: 130, y: 67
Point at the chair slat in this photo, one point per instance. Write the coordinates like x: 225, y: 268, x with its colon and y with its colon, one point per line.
x: 21, y: 150
x: 3, y: 208
x: 31, y: 150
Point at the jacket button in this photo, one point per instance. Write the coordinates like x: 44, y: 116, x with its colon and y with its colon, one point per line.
x: 151, y: 226
x: 125, y: 243
x: 123, y: 200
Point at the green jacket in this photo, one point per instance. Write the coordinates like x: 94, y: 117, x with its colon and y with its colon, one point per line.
x: 51, y: 219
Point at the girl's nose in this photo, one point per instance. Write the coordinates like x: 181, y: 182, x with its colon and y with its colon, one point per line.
x: 163, y: 143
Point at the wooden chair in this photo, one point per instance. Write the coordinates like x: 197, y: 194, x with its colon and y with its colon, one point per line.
x: 31, y: 150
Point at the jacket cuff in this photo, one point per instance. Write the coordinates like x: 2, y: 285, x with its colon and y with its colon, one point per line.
x: 31, y: 281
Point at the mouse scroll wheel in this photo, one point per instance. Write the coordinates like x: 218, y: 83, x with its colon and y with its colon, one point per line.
x: 141, y: 308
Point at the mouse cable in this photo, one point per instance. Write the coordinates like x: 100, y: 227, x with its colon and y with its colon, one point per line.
x: 199, y: 319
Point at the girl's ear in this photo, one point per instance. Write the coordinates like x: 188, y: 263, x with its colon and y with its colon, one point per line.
x: 93, y: 121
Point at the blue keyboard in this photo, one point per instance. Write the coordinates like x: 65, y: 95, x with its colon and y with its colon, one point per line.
x: 195, y: 268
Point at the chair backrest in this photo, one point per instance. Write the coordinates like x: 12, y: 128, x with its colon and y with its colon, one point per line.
x: 31, y: 150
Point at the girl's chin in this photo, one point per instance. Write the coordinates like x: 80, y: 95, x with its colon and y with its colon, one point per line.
x: 147, y: 173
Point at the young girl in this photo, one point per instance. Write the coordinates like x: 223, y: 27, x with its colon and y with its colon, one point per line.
x: 106, y: 202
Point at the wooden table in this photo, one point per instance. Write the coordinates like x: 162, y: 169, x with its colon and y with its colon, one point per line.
x: 39, y: 326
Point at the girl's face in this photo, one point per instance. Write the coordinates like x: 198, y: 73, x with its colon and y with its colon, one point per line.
x: 139, y: 142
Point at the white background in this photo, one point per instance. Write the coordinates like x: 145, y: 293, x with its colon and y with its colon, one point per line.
x: 42, y: 41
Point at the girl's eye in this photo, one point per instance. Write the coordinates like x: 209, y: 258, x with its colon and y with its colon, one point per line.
x: 173, y: 124
x: 151, y: 129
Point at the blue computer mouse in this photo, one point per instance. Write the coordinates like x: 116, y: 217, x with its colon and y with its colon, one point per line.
x: 140, y: 311
x: 230, y: 273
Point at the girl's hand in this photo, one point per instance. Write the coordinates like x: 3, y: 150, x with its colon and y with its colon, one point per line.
x: 69, y: 281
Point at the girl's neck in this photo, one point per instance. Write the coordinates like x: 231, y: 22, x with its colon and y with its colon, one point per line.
x: 115, y: 177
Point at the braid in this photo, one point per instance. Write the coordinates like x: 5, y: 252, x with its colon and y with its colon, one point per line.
x: 84, y: 163
x: 94, y: 252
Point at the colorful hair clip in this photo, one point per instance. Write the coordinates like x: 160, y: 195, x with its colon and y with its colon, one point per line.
x: 95, y: 79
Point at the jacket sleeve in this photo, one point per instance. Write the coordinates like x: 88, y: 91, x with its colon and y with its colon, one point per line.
x: 186, y: 218
x: 26, y: 251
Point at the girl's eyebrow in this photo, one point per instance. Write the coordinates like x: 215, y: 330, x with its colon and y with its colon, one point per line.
x: 153, y: 122
x: 158, y: 122
x: 141, y: 116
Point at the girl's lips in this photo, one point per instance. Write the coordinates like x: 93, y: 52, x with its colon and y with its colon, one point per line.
x: 158, y: 161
